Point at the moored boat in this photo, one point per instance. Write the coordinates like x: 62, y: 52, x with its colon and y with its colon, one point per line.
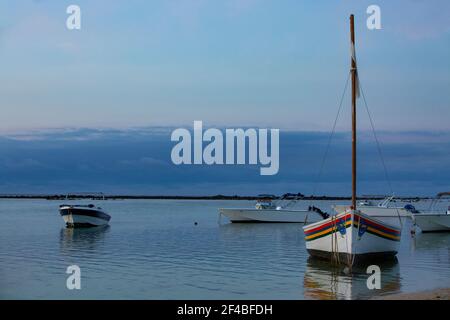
x: 266, y: 210
x: 433, y: 220
x: 83, y: 215
x: 270, y: 215
x: 383, y: 211
x: 352, y: 235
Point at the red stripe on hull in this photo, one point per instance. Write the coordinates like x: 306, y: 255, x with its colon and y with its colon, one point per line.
x: 376, y: 225
x: 323, y: 226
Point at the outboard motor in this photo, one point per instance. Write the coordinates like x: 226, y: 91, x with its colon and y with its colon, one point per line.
x: 324, y: 215
x: 411, y: 208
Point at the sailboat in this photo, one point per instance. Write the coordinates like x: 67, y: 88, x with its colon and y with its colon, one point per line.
x: 352, y: 235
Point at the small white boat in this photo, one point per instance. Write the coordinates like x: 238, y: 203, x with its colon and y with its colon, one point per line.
x: 365, y: 203
x: 383, y: 211
x: 433, y: 221
x: 266, y: 210
x: 352, y: 235
x: 83, y: 215
x: 270, y: 215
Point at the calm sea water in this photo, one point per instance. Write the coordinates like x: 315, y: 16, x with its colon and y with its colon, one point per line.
x: 153, y: 250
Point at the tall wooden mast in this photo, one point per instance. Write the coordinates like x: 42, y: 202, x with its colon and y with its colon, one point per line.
x: 354, y: 79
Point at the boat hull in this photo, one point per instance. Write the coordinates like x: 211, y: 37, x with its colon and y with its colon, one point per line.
x: 355, y: 258
x: 83, y: 217
x: 433, y: 222
x: 351, y: 236
x: 234, y: 215
x: 270, y: 216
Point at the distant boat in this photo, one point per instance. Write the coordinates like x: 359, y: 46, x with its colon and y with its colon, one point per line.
x: 83, y: 215
x: 267, y: 211
x: 433, y: 221
x: 365, y: 203
x: 270, y: 215
x: 352, y: 235
x: 382, y: 211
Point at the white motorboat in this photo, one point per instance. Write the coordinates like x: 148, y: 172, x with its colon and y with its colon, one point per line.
x: 83, y: 215
x: 433, y: 221
x: 365, y: 203
x: 352, y: 235
x: 267, y: 211
x: 271, y: 215
x: 383, y: 211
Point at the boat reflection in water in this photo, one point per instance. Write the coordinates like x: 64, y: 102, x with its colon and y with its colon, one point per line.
x: 82, y: 239
x: 434, y: 245
x: 323, y: 281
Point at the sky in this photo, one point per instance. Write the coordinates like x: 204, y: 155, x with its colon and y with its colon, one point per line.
x: 138, y: 69
x: 236, y: 62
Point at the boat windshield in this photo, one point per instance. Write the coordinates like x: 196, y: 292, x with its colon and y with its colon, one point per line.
x: 386, y: 202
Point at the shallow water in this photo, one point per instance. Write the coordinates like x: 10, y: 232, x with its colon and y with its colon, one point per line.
x: 153, y: 250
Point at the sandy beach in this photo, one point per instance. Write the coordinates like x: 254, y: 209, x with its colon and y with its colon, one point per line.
x: 436, y: 294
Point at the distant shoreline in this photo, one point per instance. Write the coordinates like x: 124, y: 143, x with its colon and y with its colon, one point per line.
x: 166, y: 197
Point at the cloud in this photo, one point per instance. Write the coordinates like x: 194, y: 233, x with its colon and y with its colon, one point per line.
x: 83, y: 134
x: 145, y: 161
x: 15, y: 164
x: 137, y: 160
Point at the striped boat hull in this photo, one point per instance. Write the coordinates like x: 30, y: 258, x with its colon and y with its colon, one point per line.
x: 354, y: 235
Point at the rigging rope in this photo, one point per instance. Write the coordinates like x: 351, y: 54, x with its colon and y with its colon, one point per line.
x: 330, y: 138
x: 376, y: 140
x: 388, y: 180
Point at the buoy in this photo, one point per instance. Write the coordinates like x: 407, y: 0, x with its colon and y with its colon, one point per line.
x: 195, y: 223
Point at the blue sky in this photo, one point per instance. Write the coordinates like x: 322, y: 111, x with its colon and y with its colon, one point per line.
x: 235, y: 62
x: 113, y: 90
